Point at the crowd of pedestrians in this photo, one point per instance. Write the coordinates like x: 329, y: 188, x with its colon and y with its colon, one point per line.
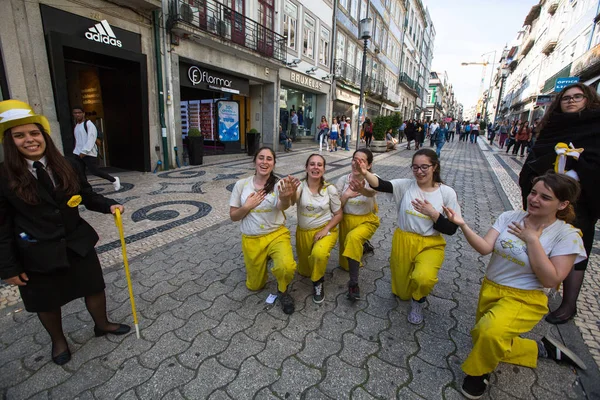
x: 532, y: 249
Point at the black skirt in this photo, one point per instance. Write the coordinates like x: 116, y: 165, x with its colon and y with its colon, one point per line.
x: 48, y: 292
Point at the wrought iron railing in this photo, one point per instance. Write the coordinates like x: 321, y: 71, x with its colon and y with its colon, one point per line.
x: 407, y: 81
x: 346, y: 72
x: 374, y: 86
x: 217, y: 19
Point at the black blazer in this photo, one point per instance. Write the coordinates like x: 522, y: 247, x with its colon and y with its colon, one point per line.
x: 52, y: 226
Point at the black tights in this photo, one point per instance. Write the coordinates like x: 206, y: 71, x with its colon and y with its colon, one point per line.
x: 353, y: 266
x: 52, y: 321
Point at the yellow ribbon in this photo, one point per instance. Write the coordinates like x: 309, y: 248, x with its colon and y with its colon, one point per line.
x: 563, y: 151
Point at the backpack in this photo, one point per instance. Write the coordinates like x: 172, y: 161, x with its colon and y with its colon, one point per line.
x: 99, y: 135
x: 468, y: 128
x: 369, y: 128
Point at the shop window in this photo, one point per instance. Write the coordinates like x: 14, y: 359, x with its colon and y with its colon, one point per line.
x: 309, y: 36
x: 324, y: 47
x: 290, y: 24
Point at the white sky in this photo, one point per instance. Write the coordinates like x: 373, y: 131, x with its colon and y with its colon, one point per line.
x: 466, y: 29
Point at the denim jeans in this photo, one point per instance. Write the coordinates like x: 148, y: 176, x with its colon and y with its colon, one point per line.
x: 438, y: 148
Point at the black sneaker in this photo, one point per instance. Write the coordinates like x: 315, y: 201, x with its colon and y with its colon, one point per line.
x: 368, y: 248
x: 559, y: 352
x: 318, y: 292
x: 353, y: 293
x: 287, y: 303
x: 474, y: 387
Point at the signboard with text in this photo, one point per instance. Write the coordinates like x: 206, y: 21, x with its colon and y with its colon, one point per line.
x: 562, y: 83
x: 543, y: 100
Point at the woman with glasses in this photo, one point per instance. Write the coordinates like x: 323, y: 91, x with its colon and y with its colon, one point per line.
x: 417, y: 245
x: 573, y: 122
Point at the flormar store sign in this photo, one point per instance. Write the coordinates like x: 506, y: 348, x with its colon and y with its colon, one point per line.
x: 305, y: 81
x: 199, y: 77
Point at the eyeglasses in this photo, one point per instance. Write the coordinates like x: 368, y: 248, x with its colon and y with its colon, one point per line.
x: 576, y: 98
x: 424, y: 167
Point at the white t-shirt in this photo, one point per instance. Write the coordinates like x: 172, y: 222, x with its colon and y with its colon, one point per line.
x: 409, y: 219
x: 509, y: 265
x: 264, y: 218
x: 334, y: 127
x: 359, y: 205
x: 474, y: 127
x: 316, y: 210
x: 85, y: 142
x: 348, y: 129
x: 433, y: 128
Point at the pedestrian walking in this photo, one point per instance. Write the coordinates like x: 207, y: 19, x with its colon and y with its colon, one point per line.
x: 285, y: 140
x: 293, y: 125
x: 334, y: 134
x: 417, y: 245
x: 319, y: 213
x: 439, y: 139
x: 348, y: 134
x: 451, y: 130
x: 573, y: 117
x: 420, y: 132
x: 342, y: 123
x: 368, y: 129
x: 523, y: 136
x: 401, y: 130
x: 531, y: 250
x: 410, y: 132
x: 512, y: 136
x: 258, y: 202
x: 474, y: 132
x: 46, y: 248
x: 466, y: 132
x: 323, y: 134
x: 432, y: 131
x: 503, y: 130
x: 86, y: 150
x: 359, y: 221
x: 534, y: 132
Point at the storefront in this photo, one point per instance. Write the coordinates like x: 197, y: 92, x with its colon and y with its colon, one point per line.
x: 346, y: 103
x: 215, y: 103
x: 305, y: 95
x: 101, y: 68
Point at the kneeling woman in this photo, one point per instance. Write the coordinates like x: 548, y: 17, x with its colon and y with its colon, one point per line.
x: 532, y: 250
x: 259, y: 201
x: 359, y: 222
x: 46, y: 248
x: 417, y: 245
x: 319, y: 213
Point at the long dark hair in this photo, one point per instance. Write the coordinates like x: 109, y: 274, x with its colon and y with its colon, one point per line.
x: 434, y: 160
x: 272, y: 181
x: 593, y: 103
x: 23, y: 183
x: 368, y: 153
x: 564, y: 188
x: 322, y: 182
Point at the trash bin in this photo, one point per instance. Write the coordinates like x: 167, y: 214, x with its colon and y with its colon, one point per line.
x: 252, y: 142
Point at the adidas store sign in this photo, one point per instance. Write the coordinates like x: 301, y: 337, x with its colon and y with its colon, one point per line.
x: 103, y: 33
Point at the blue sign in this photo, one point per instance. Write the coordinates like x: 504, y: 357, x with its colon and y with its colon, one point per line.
x: 562, y: 83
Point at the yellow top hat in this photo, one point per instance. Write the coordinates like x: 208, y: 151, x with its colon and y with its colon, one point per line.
x: 15, y: 113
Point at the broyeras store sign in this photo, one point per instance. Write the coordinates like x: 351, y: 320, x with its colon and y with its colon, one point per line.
x: 198, y: 77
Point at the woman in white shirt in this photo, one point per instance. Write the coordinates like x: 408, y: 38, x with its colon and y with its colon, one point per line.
x: 532, y: 250
x: 348, y: 132
x: 319, y: 213
x: 259, y: 201
x: 418, y: 246
x: 333, y: 135
x: 359, y: 222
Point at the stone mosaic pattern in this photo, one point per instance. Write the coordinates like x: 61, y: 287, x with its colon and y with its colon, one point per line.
x: 205, y: 336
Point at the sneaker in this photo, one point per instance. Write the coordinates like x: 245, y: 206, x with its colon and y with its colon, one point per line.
x: 368, y: 248
x: 318, y: 293
x: 117, y: 184
x: 415, y: 316
x: 287, y: 303
x: 559, y: 352
x: 353, y: 293
x: 474, y: 387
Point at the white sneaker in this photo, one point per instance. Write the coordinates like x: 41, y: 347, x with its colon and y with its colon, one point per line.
x: 117, y: 184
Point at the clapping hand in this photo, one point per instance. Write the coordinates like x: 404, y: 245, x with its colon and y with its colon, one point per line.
x: 288, y: 187
x: 254, y: 199
x: 525, y: 231
x: 424, y: 207
x: 453, y: 216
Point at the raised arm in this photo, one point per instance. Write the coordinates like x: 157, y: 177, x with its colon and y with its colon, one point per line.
x: 483, y: 245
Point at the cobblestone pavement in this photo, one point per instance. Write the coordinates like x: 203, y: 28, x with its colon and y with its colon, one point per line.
x: 204, y: 335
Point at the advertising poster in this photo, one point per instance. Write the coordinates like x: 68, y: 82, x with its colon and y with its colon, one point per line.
x: 229, y: 121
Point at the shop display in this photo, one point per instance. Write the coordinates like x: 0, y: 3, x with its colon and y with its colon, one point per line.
x: 207, y: 119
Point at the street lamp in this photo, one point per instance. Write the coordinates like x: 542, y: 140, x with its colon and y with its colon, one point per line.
x: 365, y: 29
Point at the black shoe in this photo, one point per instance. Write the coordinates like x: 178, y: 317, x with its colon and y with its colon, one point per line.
x: 474, y: 387
x: 368, y: 248
x: 353, y: 293
x: 62, y: 358
x: 318, y: 292
x: 287, y: 303
x: 121, y: 330
x: 559, y: 352
x: 555, y: 320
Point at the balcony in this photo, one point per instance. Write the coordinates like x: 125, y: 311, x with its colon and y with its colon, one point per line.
x: 534, y: 13
x: 346, y: 73
x: 588, y: 63
x: 374, y: 87
x: 528, y: 45
x: 408, y: 82
x: 189, y: 17
x: 549, y: 46
x: 553, y: 6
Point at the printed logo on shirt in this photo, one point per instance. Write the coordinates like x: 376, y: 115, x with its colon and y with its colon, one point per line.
x: 416, y: 214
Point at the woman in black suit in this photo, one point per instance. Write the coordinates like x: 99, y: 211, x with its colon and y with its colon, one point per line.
x: 46, y: 248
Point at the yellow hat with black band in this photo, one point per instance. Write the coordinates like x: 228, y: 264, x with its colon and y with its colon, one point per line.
x: 16, y: 113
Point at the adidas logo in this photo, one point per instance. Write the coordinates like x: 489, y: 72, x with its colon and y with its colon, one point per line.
x: 103, y: 33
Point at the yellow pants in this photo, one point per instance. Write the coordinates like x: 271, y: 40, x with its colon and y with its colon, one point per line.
x: 313, y: 257
x: 503, y: 313
x: 355, y: 230
x: 258, y: 249
x: 414, y: 263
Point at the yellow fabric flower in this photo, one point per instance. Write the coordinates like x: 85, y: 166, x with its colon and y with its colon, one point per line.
x: 74, y: 201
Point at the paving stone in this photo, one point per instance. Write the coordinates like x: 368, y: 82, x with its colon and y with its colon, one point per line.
x: 204, y: 346
x: 221, y: 307
x: 186, y: 290
x: 334, y: 327
x: 190, y: 306
x: 230, y: 325
x: 163, y: 304
x: 195, y: 325
x: 164, y: 323
x: 299, y: 326
x: 158, y: 290
x: 12, y: 373
x: 240, y: 348
x: 264, y: 325
x: 129, y: 375
x: 356, y: 350
x: 384, y: 379
x: 315, y: 394
x: 210, y: 376
x: 219, y: 395
x: 368, y: 327
x: 168, y: 345
x: 251, y: 378
x: 380, y: 307
x: 169, y: 375
x: 130, y: 347
x: 47, y: 377
x: 295, y: 378
x: 341, y: 378
x: 85, y: 377
x: 428, y: 381
x: 317, y: 349
x: 20, y: 348
x: 361, y: 394
x: 433, y: 349
x: 278, y: 348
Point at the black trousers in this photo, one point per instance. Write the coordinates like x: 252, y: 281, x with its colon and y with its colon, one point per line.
x: 91, y: 163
